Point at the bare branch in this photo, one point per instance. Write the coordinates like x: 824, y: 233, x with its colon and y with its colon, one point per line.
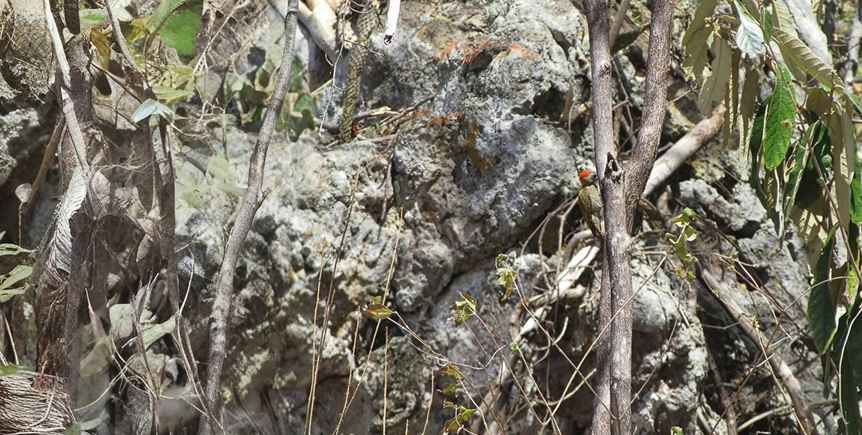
x: 245, y: 216
x: 655, y: 100
x: 779, y: 366
x: 683, y: 149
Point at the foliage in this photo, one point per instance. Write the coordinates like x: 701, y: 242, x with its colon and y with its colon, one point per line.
x: 801, y: 148
x: 13, y: 283
x: 679, y: 242
x: 464, y: 308
x: 506, y: 274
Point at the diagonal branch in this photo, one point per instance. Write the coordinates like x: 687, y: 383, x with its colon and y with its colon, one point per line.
x: 245, y: 216
x: 655, y: 100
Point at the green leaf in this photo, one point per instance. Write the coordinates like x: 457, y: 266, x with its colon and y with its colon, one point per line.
x: 715, y: 87
x: 856, y: 196
x: 464, y: 308
x: 796, y: 53
x: 821, y: 301
x: 92, y: 18
x: 780, y: 117
x: 181, y: 29
x: 74, y: 429
x: 696, y: 40
x: 378, y: 311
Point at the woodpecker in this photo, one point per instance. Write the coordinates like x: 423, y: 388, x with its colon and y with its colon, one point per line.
x: 590, y: 203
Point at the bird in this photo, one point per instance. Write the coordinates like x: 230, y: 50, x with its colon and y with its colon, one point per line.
x: 590, y: 203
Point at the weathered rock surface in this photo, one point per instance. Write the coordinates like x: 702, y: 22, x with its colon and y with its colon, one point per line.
x: 418, y: 220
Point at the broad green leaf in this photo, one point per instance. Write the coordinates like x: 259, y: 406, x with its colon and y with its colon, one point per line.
x: 780, y: 117
x: 6, y: 295
x: 797, y: 53
x: 715, y: 87
x: 180, y: 30
x: 821, y: 301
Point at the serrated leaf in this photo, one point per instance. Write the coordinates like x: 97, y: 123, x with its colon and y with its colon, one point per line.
x: 780, y: 119
x: 696, y: 40
x: 796, y: 52
x: 821, y: 302
x: 715, y: 87
x: 843, y: 159
x: 747, y: 109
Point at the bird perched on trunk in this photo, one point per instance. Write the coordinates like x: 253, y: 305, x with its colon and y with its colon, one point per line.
x: 590, y: 203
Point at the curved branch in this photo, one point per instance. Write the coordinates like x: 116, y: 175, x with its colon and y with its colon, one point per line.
x: 224, y: 289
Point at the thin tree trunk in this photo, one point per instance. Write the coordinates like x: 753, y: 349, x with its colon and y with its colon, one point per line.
x: 621, y: 188
x: 597, y: 17
x: 245, y: 215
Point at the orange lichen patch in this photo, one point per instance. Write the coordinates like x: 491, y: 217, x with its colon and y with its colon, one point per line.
x: 449, y: 118
x: 446, y: 51
x: 522, y: 52
x: 472, y: 51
